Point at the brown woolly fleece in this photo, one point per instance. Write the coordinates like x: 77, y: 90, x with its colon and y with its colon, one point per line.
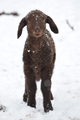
x: 39, y: 56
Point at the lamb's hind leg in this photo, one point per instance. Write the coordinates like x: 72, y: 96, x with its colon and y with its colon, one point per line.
x: 51, y: 96
x: 25, y: 95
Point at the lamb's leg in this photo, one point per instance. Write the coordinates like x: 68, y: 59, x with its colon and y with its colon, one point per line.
x: 51, y: 96
x: 30, y: 86
x: 31, y: 91
x: 45, y: 87
x: 25, y: 95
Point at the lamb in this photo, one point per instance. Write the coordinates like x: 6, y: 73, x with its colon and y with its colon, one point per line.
x: 38, y: 57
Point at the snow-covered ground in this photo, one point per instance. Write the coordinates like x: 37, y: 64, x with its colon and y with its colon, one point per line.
x: 66, y: 77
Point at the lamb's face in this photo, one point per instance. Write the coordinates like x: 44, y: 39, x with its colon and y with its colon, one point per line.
x: 36, y: 23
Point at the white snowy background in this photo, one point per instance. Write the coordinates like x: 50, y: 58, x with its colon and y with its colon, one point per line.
x: 66, y: 77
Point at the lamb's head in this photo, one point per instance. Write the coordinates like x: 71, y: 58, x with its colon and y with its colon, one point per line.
x: 36, y: 24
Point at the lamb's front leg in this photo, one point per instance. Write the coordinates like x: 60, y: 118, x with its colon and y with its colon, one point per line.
x: 45, y: 87
x: 30, y: 87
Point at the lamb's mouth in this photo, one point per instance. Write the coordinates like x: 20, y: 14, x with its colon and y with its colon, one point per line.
x: 37, y: 34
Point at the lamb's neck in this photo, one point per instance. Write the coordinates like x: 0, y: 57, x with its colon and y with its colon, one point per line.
x: 35, y: 40
x: 34, y: 43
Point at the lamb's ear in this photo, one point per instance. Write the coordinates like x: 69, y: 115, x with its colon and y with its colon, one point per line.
x: 52, y: 24
x: 22, y: 23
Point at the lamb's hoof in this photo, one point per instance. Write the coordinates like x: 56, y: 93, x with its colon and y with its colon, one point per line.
x: 48, y: 108
x: 25, y: 97
x: 32, y: 105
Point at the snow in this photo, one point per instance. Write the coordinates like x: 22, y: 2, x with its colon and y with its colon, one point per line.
x: 33, y: 51
x: 66, y: 77
x: 35, y: 66
x: 28, y: 50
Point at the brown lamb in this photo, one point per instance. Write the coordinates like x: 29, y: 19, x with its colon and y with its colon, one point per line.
x: 38, y: 56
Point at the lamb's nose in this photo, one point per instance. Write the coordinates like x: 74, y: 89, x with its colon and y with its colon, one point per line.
x: 37, y: 29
